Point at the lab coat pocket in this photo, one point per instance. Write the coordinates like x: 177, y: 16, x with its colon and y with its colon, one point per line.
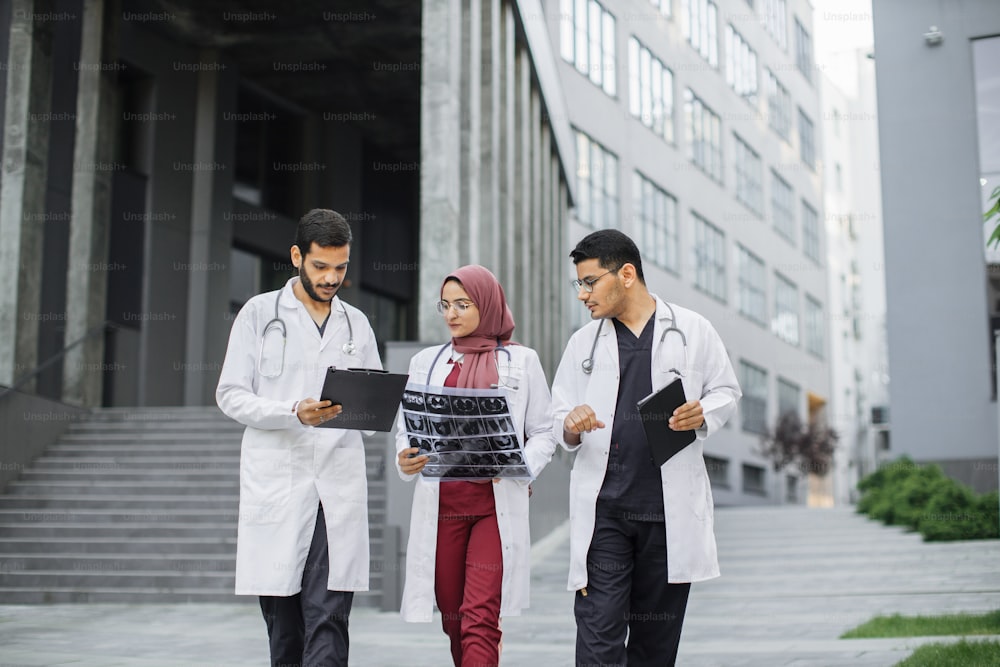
x: 343, y: 487
x: 265, y: 484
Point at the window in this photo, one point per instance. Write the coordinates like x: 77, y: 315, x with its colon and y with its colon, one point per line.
x: 587, y: 40
x: 703, y: 135
x: 718, y: 471
x: 753, y: 405
x: 753, y: 480
x: 749, y: 174
x: 788, y: 397
x: 774, y: 16
x: 807, y: 141
x: 785, y: 323
x: 709, y: 258
x: 779, y: 107
x: 741, y: 66
x: 810, y: 233
x: 596, y: 184
x: 791, y: 489
x: 656, y: 223
x: 783, y: 207
x: 662, y: 5
x: 753, y: 290
x: 700, y: 28
x: 651, y: 90
x: 814, y: 326
x: 803, y: 51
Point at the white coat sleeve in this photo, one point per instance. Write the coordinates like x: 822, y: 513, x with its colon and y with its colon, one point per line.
x: 401, y: 440
x: 539, y: 442
x: 566, y: 393
x: 235, y: 393
x: 720, y: 389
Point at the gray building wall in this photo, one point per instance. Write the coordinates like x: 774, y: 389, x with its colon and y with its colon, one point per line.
x: 938, y: 331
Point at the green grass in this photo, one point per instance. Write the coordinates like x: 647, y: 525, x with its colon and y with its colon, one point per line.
x: 960, y: 654
x: 927, y: 626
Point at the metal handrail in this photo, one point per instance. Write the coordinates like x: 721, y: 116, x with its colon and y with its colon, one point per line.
x: 103, y: 327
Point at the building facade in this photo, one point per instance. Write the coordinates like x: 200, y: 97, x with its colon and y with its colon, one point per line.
x: 938, y: 166
x: 697, y: 133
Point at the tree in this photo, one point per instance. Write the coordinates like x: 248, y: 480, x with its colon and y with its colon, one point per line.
x: 809, y: 448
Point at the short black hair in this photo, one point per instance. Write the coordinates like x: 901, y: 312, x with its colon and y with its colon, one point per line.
x: 611, y: 248
x: 323, y: 227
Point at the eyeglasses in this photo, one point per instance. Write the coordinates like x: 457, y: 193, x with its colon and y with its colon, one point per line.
x: 459, y: 306
x: 588, y: 283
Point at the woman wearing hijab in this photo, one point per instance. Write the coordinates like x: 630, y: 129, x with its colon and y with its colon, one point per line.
x: 469, y: 544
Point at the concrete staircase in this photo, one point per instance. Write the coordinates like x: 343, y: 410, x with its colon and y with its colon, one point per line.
x: 136, y: 505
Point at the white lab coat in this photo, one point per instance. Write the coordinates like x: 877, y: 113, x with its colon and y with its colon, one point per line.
x: 530, y: 406
x: 687, y: 494
x: 287, y: 468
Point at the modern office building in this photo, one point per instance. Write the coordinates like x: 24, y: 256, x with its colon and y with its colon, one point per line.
x: 697, y: 132
x: 938, y: 73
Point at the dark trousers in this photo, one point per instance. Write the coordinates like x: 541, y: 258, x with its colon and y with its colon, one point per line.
x: 628, y: 596
x: 468, y: 573
x: 309, y: 629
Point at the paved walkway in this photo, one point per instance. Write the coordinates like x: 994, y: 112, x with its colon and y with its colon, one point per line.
x: 793, y: 580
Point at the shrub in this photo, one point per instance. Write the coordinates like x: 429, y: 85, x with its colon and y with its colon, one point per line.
x: 923, y: 498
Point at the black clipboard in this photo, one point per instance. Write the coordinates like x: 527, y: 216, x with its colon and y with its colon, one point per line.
x: 655, y: 411
x: 370, y: 397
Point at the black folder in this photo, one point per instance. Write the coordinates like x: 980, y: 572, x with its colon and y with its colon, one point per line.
x: 370, y: 397
x: 655, y: 411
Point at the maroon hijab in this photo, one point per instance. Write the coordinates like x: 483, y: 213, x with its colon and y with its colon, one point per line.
x: 496, y: 325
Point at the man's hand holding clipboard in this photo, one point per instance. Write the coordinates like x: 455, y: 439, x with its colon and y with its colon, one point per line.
x: 368, y: 398
x: 669, y: 420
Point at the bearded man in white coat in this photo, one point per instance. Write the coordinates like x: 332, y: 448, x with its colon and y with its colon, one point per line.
x: 639, y: 533
x: 302, y: 488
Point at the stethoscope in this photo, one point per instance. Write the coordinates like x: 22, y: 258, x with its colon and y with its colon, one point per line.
x: 588, y: 364
x: 278, y: 324
x: 501, y: 384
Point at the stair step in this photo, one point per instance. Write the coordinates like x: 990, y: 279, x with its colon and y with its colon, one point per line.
x: 213, y: 425
x: 124, y: 488
x: 148, y: 474
x: 115, y: 562
x: 131, y: 529
x: 56, y: 502
x: 138, y: 461
x: 159, y: 579
x: 182, y: 546
x: 117, y: 515
x: 30, y: 595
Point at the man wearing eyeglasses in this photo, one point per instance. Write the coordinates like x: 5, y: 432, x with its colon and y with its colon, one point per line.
x: 639, y: 533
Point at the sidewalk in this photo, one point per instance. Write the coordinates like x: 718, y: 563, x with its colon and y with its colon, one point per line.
x: 793, y: 580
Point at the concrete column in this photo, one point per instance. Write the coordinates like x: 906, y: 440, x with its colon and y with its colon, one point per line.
x: 491, y: 117
x: 22, y: 195
x: 211, y: 235
x: 507, y: 185
x: 522, y: 198
x: 470, y: 66
x: 440, y: 112
x: 86, y: 288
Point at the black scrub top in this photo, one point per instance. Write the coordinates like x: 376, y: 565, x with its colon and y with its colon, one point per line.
x: 633, y: 488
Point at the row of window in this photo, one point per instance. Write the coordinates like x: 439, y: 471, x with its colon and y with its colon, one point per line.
x: 753, y: 478
x: 754, y: 404
x: 597, y: 186
x: 655, y: 227
x: 588, y: 41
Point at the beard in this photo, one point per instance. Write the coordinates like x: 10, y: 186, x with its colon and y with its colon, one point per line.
x: 310, y: 289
